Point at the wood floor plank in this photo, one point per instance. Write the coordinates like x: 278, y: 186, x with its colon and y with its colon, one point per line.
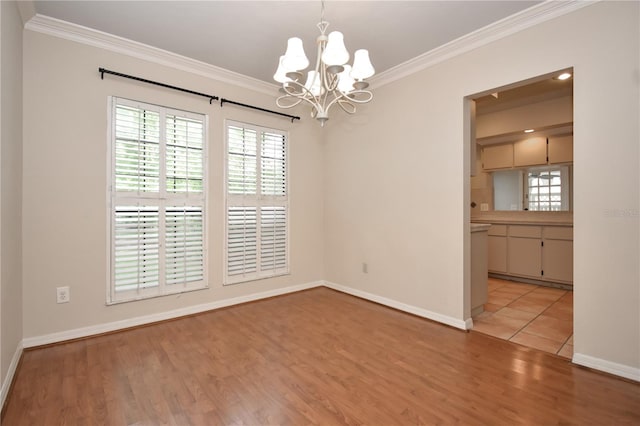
x: 313, y: 357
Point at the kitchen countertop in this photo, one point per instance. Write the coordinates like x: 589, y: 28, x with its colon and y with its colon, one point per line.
x: 518, y: 222
x: 479, y: 227
x: 525, y: 218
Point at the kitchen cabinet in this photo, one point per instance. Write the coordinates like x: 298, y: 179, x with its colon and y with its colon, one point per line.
x: 524, y: 254
x: 543, y: 253
x: 497, y: 248
x: 557, y: 254
x: 535, y: 151
x: 530, y: 152
x: 479, y: 291
x: 497, y: 156
x: 560, y: 149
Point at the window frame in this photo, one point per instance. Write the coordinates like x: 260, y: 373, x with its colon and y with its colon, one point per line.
x: 260, y: 201
x: 164, y: 199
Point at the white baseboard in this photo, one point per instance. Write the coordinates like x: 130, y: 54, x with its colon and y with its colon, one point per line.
x: 621, y: 370
x: 77, y: 333
x: 424, y: 313
x: 8, y: 379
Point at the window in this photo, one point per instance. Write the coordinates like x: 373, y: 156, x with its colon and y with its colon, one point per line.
x: 157, y: 201
x: 256, y: 203
x: 547, y: 189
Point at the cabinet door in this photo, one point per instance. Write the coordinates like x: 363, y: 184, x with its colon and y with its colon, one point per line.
x: 524, y: 256
x: 560, y: 149
x: 530, y: 152
x: 497, y: 256
x: 557, y: 260
x: 497, y: 156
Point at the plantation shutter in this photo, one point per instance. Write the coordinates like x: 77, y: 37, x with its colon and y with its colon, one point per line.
x: 242, y: 241
x: 137, y: 150
x: 273, y: 238
x: 136, y: 247
x: 158, y: 201
x: 242, y: 175
x: 184, y: 252
x: 257, y: 203
x: 184, y: 155
x: 272, y: 165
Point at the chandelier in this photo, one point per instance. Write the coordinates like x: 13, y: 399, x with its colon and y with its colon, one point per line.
x: 331, y: 82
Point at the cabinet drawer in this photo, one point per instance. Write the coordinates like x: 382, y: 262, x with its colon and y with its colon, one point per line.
x: 558, y: 232
x: 498, y: 230
x: 524, y: 231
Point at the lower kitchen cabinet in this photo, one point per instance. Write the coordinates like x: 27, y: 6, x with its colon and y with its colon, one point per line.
x: 542, y: 253
x: 497, y: 247
x: 557, y: 254
x: 524, y: 257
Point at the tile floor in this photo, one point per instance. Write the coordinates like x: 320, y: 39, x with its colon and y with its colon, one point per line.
x: 531, y: 315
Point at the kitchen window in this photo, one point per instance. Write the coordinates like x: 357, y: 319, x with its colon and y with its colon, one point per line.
x: 547, y: 189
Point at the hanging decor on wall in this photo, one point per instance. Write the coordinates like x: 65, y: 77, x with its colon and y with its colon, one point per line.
x: 331, y: 82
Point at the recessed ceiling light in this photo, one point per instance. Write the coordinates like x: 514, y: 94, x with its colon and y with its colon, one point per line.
x: 529, y: 131
x: 564, y: 76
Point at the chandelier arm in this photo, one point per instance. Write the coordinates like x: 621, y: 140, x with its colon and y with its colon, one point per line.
x: 285, y: 87
x: 368, y: 97
x: 341, y: 98
x: 311, y: 100
x: 343, y: 104
x: 286, y: 106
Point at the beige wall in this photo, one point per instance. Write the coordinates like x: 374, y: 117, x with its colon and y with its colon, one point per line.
x: 65, y: 177
x: 397, y: 185
x: 11, y: 182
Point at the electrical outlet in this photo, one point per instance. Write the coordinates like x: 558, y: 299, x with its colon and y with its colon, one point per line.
x: 63, y: 295
x: 484, y: 207
x: 365, y: 268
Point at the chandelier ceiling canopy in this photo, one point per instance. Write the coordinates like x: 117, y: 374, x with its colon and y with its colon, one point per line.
x: 331, y: 82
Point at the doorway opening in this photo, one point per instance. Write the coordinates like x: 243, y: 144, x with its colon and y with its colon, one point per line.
x: 521, y: 184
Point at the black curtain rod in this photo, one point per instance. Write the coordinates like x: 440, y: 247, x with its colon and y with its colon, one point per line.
x: 144, y: 80
x: 227, y: 101
x: 211, y: 98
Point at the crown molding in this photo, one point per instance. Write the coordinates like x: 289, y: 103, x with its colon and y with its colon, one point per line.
x: 534, y: 15
x: 80, y: 34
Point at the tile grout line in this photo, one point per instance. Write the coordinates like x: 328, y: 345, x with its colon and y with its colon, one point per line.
x: 534, y: 318
x: 530, y: 321
x: 571, y: 335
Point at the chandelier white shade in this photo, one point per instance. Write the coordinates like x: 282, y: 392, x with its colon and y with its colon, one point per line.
x: 331, y: 82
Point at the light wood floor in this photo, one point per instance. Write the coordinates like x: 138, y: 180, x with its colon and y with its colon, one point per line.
x: 314, y: 357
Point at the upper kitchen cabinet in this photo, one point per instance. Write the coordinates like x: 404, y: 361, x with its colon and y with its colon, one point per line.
x: 560, y: 149
x: 497, y: 156
x: 535, y: 151
x: 530, y: 152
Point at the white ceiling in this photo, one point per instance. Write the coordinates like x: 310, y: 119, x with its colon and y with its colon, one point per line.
x: 248, y: 37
